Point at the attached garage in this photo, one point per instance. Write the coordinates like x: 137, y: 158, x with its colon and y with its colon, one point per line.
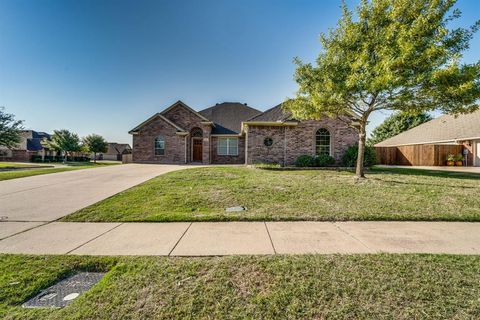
x: 430, y: 143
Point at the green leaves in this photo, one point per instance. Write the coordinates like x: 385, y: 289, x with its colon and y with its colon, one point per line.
x: 9, y: 129
x: 63, y: 140
x: 95, y: 143
x: 390, y: 54
x: 395, y: 124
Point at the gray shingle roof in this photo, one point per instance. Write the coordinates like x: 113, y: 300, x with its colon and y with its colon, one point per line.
x: 118, y: 148
x: 273, y: 114
x: 447, y: 128
x: 228, y: 116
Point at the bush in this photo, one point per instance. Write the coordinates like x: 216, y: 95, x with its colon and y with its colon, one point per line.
x: 305, y: 161
x: 349, y: 158
x: 36, y: 158
x: 324, y: 160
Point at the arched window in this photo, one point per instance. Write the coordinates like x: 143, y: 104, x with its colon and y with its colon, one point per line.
x: 322, y: 142
x: 196, y: 133
x: 159, y: 146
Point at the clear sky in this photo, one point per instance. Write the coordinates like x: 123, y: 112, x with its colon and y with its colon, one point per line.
x: 105, y: 66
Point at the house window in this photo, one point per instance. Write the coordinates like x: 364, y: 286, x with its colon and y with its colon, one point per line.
x: 268, y: 142
x: 227, y: 147
x: 322, y: 142
x: 159, y: 146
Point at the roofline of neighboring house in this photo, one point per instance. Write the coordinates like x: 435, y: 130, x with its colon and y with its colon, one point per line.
x: 456, y: 141
x: 158, y: 114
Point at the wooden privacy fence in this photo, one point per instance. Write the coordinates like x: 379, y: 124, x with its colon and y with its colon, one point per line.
x: 127, y: 158
x: 417, y: 155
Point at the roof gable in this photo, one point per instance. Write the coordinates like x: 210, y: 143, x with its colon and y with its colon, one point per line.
x: 152, y: 118
x: 179, y: 103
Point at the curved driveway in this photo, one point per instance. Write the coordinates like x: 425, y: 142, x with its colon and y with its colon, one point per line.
x: 52, y: 196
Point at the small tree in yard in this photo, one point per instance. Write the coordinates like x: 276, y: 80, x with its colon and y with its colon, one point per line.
x: 395, y: 124
x: 94, y: 144
x: 393, y: 55
x: 10, y: 129
x: 63, y: 141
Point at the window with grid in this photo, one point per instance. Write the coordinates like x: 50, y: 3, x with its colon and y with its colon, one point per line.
x: 159, y: 146
x: 227, y: 147
x: 322, y: 142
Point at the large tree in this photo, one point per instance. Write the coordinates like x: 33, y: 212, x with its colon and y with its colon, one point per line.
x: 397, y: 123
x: 64, y: 141
x: 95, y: 143
x: 393, y: 55
x: 10, y: 129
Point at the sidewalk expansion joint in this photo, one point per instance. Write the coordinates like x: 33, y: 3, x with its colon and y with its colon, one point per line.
x: 94, y: 238
x: 34, y: 227
x: 353, y: 237
x: 179, y: 239
x: 270, y: 237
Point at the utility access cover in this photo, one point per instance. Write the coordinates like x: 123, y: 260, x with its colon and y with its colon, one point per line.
x: 65, y: 291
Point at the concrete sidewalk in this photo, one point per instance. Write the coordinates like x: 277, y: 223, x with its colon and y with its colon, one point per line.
x: 232, y: 238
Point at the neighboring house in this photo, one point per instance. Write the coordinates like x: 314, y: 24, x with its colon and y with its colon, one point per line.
x: 115, y: 151
x: 431, y: 142
x: 234, y: 133
x: 30, y: 145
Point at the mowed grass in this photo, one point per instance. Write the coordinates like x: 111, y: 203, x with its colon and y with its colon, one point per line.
x: 16, y: 165
x: 14, y: 174
x: 261, y: 287
x: 202, y: 194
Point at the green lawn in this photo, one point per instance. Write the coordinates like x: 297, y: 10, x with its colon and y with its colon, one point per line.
x: 202, y: 194
x: 268, y: 287
x: 16, y: 165
x: 7, y: 175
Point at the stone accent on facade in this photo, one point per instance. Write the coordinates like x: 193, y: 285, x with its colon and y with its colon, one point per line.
x: 239, y: 159
x: 290, y: 142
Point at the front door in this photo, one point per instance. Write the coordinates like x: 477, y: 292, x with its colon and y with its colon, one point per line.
x: 197, y: 150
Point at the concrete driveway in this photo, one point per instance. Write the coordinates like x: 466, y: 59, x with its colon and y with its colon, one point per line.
x: 49, y: 197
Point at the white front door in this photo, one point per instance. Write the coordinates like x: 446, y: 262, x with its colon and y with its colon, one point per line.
x: 476, y: 160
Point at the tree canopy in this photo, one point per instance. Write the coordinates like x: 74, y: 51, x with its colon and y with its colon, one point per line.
x: 10, y: 129
x: 95, y: 143
x: 393, y: 55
x: 397, y: 123
x: 64, y: 141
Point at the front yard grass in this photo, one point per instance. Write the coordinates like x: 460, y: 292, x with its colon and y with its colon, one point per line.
x: 17, y: 165
x: 202, y: 194
x: 19, y: 173
x: 254, y: 287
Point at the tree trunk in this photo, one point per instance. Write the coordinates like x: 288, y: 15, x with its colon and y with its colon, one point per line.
x: 94, y: 157
x: 359, y: 172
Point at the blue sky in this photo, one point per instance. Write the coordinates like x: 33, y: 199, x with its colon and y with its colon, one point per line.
x: 105, y: 66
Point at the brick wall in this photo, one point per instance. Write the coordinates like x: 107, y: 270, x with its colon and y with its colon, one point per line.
x: 240, y: 159
x: 144, y: 143
x: 291, y: 142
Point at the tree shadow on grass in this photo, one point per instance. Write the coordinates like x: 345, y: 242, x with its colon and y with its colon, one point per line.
x: 425, y: 173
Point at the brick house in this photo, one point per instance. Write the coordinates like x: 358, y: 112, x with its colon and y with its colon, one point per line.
x: 30, y: 145
x: 234, y: 133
